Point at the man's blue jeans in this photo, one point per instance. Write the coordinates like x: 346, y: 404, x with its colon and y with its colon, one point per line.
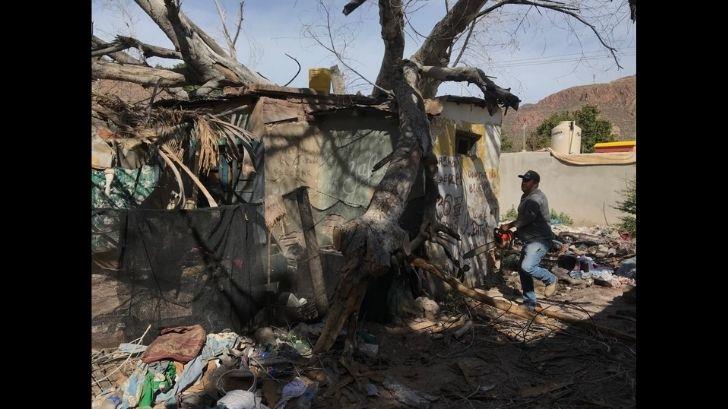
x: 531, y: 256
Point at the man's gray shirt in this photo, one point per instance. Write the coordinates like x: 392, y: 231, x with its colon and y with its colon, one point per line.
x: 533, y: 217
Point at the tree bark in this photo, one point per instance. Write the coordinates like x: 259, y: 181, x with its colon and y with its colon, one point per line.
x: 208, y: 64
x: 120, y: 57
x: 475, y: 76
x: 137, y: 74
x: 373, y: 240
x: 122, y: 43
x: 352, y: 5
x: 391, y: 18
x: 434, y: 50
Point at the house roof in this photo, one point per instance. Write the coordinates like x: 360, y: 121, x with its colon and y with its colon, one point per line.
x: 318, y: 102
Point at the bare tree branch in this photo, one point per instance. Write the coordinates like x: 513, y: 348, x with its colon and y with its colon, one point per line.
x: 156, y: 10
x: 568, y: 11
x: 435, y: 50
x: 352, y: 5
x: 240, y: 18
x: 122, y: 43
x: 208, y: 64
x: 475, y: 76
x: 633, y: 10
x: 120, y: 57
x: 299, y: 69
x: 137, y: 74
x: 391, y: 18
x: 506, y: 2
x: 332, y: 49
x: 231, y: 40
x: 465, y: 43
x: 561, y: 8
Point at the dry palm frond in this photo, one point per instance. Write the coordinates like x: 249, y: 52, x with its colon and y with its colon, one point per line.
x: 170, y: 128
x: 207, y: 140
x: 234, y: 135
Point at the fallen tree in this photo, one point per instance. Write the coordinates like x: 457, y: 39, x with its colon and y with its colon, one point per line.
x: 373, y: 243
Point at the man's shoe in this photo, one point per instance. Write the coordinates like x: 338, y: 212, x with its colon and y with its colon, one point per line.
x: 550, y: 290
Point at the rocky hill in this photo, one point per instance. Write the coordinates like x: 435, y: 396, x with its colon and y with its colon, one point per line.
x: 616, y: 101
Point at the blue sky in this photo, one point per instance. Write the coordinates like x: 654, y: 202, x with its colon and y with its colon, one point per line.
x: 547, y: 53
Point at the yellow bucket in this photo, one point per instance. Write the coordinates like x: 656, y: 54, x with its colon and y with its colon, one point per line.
x: 319, y: 79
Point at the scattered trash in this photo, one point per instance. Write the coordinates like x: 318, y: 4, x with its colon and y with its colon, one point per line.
x: 628, y: 268
x: 304, y: 330
x: 486, y: 388
x: 293, y: 302
x: 463, y: 330
x: 264, y: 336
x: 131, y: 389
x: 372, y: 390
x: 132, y: 348
x: 407, y: 396
x: 241, y: 400
x: 429, y: 307
x: 158, y: 378
x: 370, y: 350
x: 112, y: 402
x: 230, y: 371
x: 299, y: 387
x: 181, y: 344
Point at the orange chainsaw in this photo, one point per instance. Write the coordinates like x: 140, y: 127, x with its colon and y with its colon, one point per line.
x: 502, y: 239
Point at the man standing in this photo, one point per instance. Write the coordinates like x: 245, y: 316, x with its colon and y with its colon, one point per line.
x: 533, y: 229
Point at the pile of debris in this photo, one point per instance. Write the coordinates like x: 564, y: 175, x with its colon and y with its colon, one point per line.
x: 186, y: 367
x: 598, y: 254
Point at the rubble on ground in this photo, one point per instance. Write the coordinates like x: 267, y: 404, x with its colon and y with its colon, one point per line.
x: 602, y: 254
x: 272, y: 367
x: 434, y: 360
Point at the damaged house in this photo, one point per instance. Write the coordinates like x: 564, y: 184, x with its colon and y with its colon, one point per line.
x: 216, y: 211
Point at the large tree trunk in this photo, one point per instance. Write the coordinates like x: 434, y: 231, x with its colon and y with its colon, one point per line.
x: 372, y: 241
x: 392, y: 22
x: 137, y: 74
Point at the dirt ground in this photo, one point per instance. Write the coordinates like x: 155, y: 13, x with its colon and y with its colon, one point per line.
x: 503, y: 361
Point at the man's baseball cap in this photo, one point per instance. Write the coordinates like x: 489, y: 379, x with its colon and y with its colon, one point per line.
x: 530, y: 175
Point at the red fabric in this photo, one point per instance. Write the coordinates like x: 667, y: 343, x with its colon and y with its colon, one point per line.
x: 181, y: 344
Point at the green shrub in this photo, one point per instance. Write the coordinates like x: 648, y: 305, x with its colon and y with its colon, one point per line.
x: 561, y: 218
x: 629, y: 206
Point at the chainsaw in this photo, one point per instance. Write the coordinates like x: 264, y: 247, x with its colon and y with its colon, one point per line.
x: 502, y: 239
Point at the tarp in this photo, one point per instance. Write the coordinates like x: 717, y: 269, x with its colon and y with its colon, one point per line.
x: 176, y: 268
x: 615, y: 158
x: 128, y: 188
